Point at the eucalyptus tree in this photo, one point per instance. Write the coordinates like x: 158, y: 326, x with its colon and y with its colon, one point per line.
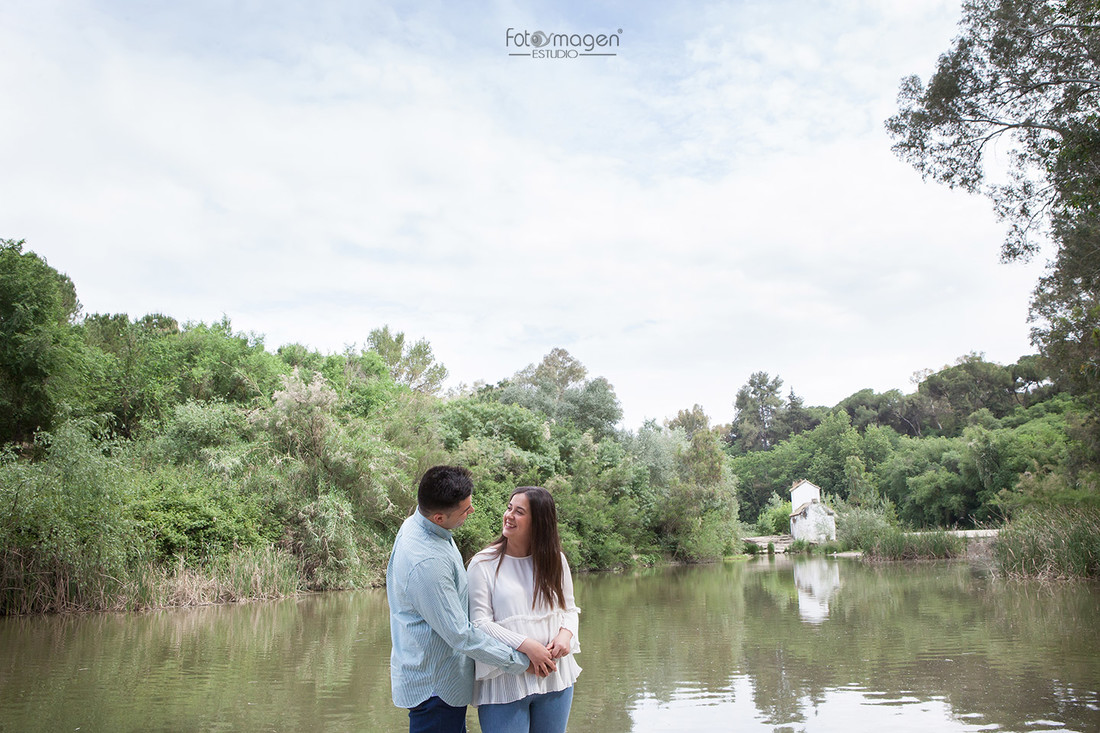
x: 1023, y: 76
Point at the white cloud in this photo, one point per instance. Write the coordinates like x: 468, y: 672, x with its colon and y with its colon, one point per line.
x: 718, y: 199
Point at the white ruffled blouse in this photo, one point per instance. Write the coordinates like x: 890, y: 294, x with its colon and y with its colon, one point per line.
x: 501, y: 605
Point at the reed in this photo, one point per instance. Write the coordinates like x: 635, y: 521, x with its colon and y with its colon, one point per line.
x: 894, y: 544
x: 28, y: 586
x: 1052, y: 543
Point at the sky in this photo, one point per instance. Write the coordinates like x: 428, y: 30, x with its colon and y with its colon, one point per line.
x: 716, y: 198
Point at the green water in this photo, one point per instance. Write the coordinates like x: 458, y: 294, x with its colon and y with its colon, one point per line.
x: 780, y: 645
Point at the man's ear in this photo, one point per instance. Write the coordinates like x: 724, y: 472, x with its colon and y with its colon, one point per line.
x: 437, y: 518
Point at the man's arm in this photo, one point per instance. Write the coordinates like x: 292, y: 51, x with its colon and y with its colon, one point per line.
x: 432, y: 591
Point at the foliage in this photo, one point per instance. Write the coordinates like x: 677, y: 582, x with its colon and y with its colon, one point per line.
x: 65, y: 538
x: 1021, y: 73
x: 192, y: 514
x: 413, y: 365
x: 858, y: 527
x: 323, y: 538
x: 1024, y: 76
x: 757, y: 404
x: 557, y: 388
x: 190, y: 465
x: 197, y: 428
x: 775, y: 518
x: 40, y: 355
x: 894, y: 544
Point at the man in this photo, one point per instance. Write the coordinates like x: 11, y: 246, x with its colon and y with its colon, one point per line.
x: 434, y: 644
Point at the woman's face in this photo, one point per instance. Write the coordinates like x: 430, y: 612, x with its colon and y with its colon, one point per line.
x: 517, y: 519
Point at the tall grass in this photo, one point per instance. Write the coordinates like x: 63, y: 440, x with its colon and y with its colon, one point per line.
x: 1051, y: 544
x: 894, y: 544
x: 252, y: 574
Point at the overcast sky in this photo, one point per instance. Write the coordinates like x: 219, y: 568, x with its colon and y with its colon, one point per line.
x: 717, y: 198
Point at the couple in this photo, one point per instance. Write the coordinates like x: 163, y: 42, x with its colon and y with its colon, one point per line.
x: 510, y: 620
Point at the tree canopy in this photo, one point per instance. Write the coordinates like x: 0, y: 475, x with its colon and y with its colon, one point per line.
x: 1023, y: 75
x: 1023, y: 78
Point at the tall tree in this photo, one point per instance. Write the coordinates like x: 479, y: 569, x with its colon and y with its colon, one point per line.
x: 691, y: 420
x: 557, y: 388
x: 1024, y: 76
x: 40, y: 354
x: 758, y: 404
x: 410, y: 364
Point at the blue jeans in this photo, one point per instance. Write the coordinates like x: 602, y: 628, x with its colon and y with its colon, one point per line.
x: 547, y: 712
x: 435, y: 716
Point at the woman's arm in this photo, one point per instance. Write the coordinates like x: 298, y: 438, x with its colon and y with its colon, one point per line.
x: 565, y: 640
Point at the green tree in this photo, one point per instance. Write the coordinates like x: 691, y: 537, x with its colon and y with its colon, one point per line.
x: 410, y: 364
x: 972, y: 384
x: 557, y: 388
x: 758, y: 405
x: 1024, y: 76
x: 40, y: 355
x: 129, y: 385
x: 690, y: 421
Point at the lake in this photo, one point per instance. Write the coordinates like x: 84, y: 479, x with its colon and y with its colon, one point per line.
x: 779, y: 644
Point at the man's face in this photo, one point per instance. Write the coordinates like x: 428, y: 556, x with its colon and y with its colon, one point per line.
x: 454, y: 518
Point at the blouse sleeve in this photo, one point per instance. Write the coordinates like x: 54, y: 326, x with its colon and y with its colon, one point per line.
x: 572, y: 613
x: 481, y: 604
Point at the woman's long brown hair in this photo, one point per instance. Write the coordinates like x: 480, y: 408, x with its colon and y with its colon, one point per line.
x: 545, y: 546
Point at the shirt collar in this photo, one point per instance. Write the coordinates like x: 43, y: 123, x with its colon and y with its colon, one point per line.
x: 431, y: 526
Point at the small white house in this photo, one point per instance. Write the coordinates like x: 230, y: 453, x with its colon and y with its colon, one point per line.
x: 811, y: 520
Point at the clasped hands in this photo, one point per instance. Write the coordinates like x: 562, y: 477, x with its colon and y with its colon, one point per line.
x: 542, y: 656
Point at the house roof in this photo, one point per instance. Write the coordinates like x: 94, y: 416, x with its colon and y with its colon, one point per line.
x: 802, y: 508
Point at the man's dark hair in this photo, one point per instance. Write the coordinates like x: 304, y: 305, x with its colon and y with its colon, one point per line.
x: 442, y: 488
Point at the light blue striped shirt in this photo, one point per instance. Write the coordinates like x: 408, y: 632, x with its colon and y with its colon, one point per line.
x: 433, y: 640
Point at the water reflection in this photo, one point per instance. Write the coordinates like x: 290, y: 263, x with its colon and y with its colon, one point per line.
x: 816, y: 580
x: 771, y: 645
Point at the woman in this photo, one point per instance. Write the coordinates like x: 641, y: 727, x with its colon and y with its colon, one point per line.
x: 521, y: 593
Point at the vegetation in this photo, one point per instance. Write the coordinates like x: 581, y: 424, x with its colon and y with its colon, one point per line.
x: 173, y: 464
x: 1051, y: 545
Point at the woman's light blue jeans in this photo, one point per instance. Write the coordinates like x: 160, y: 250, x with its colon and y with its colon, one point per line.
x: 547, y: 712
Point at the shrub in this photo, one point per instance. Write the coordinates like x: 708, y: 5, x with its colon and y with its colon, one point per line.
x: 324, y: 540
x: 775, y: 518
x: 860, y: 529
x: 65, y: 540
x: 197, y: 426
x: 192, y: 513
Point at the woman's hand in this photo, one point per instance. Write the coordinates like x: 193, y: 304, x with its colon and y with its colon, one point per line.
x: 560, y: 645
x: 542, y: 662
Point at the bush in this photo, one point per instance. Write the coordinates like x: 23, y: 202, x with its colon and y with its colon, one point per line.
x: 197, y: 426
x: 775, y: 518
x: 324, y: 540
x: 860, y: 529
x: 194, y: 514
x: 65, y: 540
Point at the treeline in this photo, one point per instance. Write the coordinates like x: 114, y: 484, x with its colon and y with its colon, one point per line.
x: 974, y: 443
x: 148, y: 462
